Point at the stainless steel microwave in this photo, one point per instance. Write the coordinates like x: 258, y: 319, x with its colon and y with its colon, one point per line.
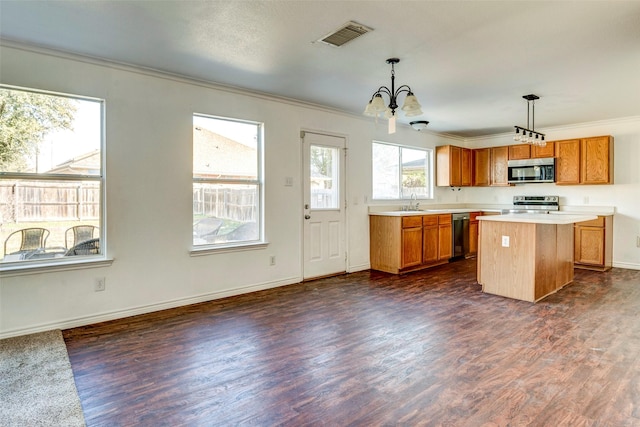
x: 531, y: 170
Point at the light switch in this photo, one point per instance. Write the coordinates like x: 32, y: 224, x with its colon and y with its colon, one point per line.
x: 505, y: 241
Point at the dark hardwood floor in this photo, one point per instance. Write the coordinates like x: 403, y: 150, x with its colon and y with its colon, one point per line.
x: 428, y: 348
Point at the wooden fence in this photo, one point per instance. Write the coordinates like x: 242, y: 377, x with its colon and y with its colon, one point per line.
x: 28, y: 201
x: 238, y: 204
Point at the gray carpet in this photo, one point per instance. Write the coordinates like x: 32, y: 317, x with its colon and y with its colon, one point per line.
x: 36, y: 382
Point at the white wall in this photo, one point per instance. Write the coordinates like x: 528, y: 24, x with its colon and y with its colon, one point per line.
x: 148, y: 167
x: 149, y: 170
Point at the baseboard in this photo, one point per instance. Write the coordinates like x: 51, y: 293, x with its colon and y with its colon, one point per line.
x: 361, y: 267
x: 143, y: 309
x: 629, y: 265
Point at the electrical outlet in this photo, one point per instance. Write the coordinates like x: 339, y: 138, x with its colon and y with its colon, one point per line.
x: 100, y: 284
x: 505, y: 241
x: 586, y: 200
x: 272, y: 260
x: 638, y: 241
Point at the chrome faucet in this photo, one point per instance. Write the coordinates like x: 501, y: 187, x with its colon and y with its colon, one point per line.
x: 414, y: 198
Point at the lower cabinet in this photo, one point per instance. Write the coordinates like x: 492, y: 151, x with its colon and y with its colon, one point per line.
x: 405, y: 243
x: 593, y: 244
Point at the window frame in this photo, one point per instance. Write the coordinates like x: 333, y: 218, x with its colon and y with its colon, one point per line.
x: 204, y: 249
x: 429, y: 173
x: 14, y: 268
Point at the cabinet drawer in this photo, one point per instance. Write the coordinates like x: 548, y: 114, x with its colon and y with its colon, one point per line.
x: 430, y: 220
x: 593, y: 223
x: 444, y: 219
x: 411, y: 221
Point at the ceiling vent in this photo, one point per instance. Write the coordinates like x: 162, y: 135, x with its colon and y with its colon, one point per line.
x: 349, y: 31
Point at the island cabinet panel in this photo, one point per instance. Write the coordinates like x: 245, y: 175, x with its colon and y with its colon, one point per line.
x: 499, y: 170
x: 536, y: 261
x: 482, y: 167
x: 593, y: 244
x: 406, y: 243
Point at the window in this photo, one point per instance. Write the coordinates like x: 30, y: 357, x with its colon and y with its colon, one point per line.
x: 227, y: 182
x: 399, y: 172
x: 51, y: 177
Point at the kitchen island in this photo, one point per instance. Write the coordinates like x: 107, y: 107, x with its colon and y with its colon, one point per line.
x: 526, y: 256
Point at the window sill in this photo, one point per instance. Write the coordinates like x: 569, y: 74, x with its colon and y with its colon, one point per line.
x: 228, y: 248
x: 24, y: 268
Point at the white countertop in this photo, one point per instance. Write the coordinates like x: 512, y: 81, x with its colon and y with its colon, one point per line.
x: 431, y: 212
x: 559, y: 219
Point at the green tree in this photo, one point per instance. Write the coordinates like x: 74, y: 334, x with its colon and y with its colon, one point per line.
x: 25, y: 119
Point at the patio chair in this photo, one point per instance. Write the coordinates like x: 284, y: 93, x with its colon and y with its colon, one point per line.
x: 31, y: 239
x: 78, y: 234
x: 88, y: 247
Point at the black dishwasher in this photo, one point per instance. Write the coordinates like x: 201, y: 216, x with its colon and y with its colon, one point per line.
x: 460, y: 235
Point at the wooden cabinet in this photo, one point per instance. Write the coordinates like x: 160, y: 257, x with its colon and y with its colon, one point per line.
x: 445, y: 237
x: 596, y: 162
x: 411, y: 241
x: 568, y: 161
x: 593, y: 244
x: 430, y: 239
x: 482, y: 167
x: 473, y: 232
x: 519, y: 151
x: 584, y: 161
x: 547, y: 151
x: 407, y: 243
x: 453, y: 166
x: 499, y: 172
x: 526, y: 151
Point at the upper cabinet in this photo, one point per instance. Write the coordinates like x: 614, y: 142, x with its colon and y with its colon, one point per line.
x: 584, y: 161
x: 499, y: 171
x: 482, y: 167
x: 526, y: 151
x: 453, y: 166
x: 519, y: 151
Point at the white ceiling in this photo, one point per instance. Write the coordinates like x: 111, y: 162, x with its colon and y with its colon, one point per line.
x: 468, y: 62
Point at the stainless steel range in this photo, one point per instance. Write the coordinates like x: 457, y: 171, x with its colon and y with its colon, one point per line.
x: 534, y: 204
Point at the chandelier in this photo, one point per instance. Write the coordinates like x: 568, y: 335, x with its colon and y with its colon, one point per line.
x: 530, y: 136
x: 376, y: 106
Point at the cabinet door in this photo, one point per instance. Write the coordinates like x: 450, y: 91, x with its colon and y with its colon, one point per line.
x: 568, y: 161
x: 473, y: 237
x: 589, y: 245
x: 595, y: 160
x: 548, y: 150
x: 411, y: 247
x: 455, y: 160
x: 466, y: 168
x: 445, y: 241
x: 481, y: 167
x: 430, y: 244
x: 520, y: 151
x: 499, y: 158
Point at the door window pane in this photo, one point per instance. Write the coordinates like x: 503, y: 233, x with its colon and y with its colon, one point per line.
x: 323, y: 181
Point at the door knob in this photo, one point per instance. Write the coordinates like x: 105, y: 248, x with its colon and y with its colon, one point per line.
x: 307, y: 217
